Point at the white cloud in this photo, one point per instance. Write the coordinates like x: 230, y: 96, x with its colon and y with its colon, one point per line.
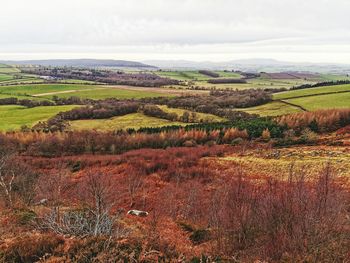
x: 200, y: 29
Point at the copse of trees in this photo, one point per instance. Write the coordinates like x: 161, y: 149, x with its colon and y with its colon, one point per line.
x: 220, y: 103
x: 254, y: 127
x: 318, y: 121
x: 209, y: 73
x: 155, y: 111
x: 26, y: 102
x: 101, y: 110
x: 227, y: 81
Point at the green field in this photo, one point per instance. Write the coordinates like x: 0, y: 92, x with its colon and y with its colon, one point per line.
x: 5, y: 77
x: 4, y: 96
x: 41, y: 88
x: 183, y: 75
x: 191, y: 75
x: 76, y: 81
x: 333, y: 77
x: 314, y: 99
x: 8, y: 69
x: 275, y: 108
x: 137, y: 120
x: 105, y: 93
x: 228, y: 74
x: 203, y: 116
x: 129, y: 121
x: 47, y: 91
x: 331, y: 101
x: 13, y: 117
x: 12, y: 75
x: 311, y: 91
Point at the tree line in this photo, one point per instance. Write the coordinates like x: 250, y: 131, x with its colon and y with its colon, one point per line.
x: 104, y: 76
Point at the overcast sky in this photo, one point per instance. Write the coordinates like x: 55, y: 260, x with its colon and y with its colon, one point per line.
x: 220, y: 30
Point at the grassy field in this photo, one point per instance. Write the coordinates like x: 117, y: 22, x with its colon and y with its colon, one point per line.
x: 183, y: 75
x: 275, y: 108
x: 4, y: 96
x: 8, y: 69
x: 195, y: 75
x: 5, y: 77
x: 312, y: 91
x: 340, y: 100
x: 136, y: 121
x: 76, y: 81
x: 41, y: 88
x: 47, y: 91
x: 204, y: 116
x: 13, y: 117
x: 22, y: 81
x: 104, y: 93
x: 315, y: 98
x: 228, y: 74
x: 330, y: 77
x: 129, y: 121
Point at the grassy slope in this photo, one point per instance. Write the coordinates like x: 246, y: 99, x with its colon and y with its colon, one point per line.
x: 204, y: 116
x: 5, y: 77
x: 228, y: 74
x: 341, y: 100
x: 312, y: 91
x: 9, y: 69
x: 183, y: 75
x: 79, y: 90
x: 42, y: 88
x: 319, y: 101
x: 328, y: 77
x: 13, y: 117
x: 134, y: 120
x: 104, y: 93
x: 274, y: 108
x: 3, y: 96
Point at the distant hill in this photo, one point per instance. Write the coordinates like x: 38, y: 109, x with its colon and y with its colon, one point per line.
x: 90, y: 63
x: 252, y: 65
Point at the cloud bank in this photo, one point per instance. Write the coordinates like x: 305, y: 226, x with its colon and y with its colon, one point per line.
x: 184, y: 29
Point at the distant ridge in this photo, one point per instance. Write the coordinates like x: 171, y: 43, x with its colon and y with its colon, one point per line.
x: 252, y: 65
x: 90, y: 63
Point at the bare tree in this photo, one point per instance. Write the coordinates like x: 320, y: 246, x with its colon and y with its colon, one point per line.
x: 16, y: 179
x: 95, y: 219
x: 134, y: 183
x: 7, y: 177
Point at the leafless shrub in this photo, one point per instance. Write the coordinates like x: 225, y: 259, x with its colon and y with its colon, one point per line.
x: 95, y: 219
x: 282, y: 219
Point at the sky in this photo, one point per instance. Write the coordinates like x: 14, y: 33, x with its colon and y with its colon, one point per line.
x: 199, y: 30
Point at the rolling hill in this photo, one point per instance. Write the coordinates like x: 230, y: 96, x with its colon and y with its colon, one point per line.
x: 90, y: 63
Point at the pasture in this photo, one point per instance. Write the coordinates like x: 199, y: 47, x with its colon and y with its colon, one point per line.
x: 205, y: 117
x: 275, y: 108
x: 311, y: 91
x: 8, y: 69
x: 190, y: 75
x: 47, y: 91
x: 330, y: 101
x: 129, y: 121
x: 137, y: 120
x: 5, y: 77
x: 14, y: 117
